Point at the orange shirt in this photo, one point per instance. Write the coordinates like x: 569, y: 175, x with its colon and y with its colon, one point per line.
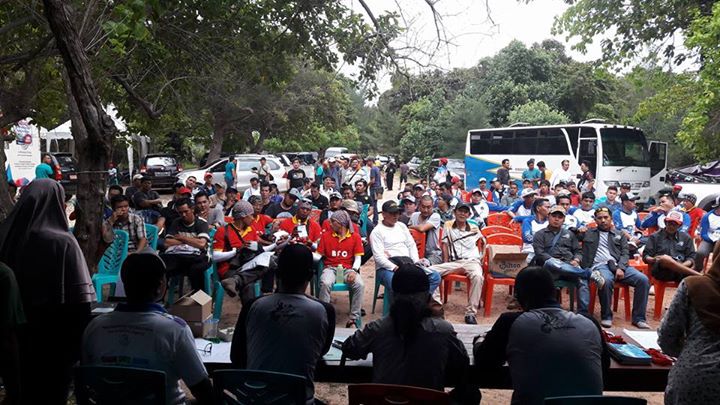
x: 247, y: 235
x: 340, y: 251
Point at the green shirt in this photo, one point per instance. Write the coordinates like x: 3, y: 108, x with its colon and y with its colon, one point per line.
x: 11, y: 311
x: 44, y: 171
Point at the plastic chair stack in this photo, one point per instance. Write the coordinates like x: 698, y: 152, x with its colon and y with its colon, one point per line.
x: 111, y: 263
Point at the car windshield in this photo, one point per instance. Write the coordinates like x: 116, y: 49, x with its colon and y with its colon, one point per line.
x: 65, y: 160
x: 207, y: 166
x: 161, y: 161
x: 624, y: 147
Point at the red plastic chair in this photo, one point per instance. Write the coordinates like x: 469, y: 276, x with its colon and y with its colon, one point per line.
x: 376, y: 394
x: 494, y: 229
x: 490, y: 281
x: 660, y: 287
x: 617, y: 288
x: 499, y: 218
x: 419, y: 242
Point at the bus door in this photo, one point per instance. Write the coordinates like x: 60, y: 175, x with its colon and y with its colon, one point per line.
x: 588, y: 150
x: 658, y: 165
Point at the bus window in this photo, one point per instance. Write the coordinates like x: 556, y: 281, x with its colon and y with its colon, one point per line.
x: 588, y: 132
x: 573, y: 134
x: 501, y: 142
x: 551, y: 141
x: 525, y: 142
x: 624, y: 147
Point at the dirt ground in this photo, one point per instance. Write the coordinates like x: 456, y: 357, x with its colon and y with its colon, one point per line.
x: 454, y: 312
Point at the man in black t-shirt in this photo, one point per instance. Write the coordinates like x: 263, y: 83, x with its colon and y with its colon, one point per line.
x: 296, y: 175
x: 186, y: 245
x: 318, y: 200
x: 363, y: 198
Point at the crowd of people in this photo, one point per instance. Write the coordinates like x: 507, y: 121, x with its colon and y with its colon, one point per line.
x: 328, y: 228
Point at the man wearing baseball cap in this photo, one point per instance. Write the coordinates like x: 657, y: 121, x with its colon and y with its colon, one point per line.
x: 301, y: 227
x: 334, y: 201
x: 523, y: 207
x: 391, y: 242
x: 687, y: 204
x: 409, y: 205
x: 627, y: 221
x: 479, y: 209
x: 710, y: 234
x: 671, y: 252
x: 133, y: 188
x: 287, y: 204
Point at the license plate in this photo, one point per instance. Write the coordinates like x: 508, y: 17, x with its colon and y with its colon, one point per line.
x: 73, y: 177
x: 162, y: 174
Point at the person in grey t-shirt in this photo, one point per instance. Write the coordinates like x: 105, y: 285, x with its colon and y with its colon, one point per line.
x: 428, y: 222
x: 288, y: 331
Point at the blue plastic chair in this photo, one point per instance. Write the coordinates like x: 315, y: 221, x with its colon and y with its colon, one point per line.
x: 119, y: 385
x: 257, y: 387
x: 178, y: 281
x: 111, y: 262
x: 386, y: 300
x: 151, y: 232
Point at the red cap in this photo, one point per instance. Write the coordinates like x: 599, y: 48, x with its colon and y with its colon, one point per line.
x: 443, y: 161
x: 208, y: 174
x: 184, y: 190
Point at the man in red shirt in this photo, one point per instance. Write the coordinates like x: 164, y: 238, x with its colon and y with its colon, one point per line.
x: 301, y: 227
x: 260, y: 221
x: 696, y: 213
x: 342, y: 251
x: 237, y: 253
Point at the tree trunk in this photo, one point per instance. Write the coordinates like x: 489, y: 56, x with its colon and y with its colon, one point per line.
x: 92, y: 127
x: 219, y: 130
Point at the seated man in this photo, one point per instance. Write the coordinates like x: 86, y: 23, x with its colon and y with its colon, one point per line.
x: 342, y: 251
x: 671, y: 252
x: 585, y: 214
x: 656, y: 219
x: 606, y: 250
x: 695, y: 213
x: 410, y: 347
x: 301, y: 227
x: 627, y: 221
x: 186, y: 243
x: 213, y: 216
x: 334, y: 201
x: 392, y: 240
x: 428, y: 222
x: 147, y: 202
x: 287, y: 204
x: 124, y: 220
x: 142, y: 334
x: 363, y: 226
x: 531, y: 225
x: 409, y: 207
x: 479, y: 209
x: 710, y: 234
x: 610, y: 200
x: 551, y: 352
x: 558, y: 251
x: 523, y: 208
x: 286, y: 332
x: 460, y: 255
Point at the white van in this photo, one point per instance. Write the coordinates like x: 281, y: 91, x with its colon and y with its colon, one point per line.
x: 334, y: 151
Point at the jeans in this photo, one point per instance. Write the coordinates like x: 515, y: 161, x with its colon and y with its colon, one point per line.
x: 560, y: 269
x: 634, y: 278
x: 703, y: 252
x: 385, y: 277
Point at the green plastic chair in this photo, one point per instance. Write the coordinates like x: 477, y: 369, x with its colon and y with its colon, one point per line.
x: 111, y: 262
x: 119, y: 385
x: 257, y: 387
x: 178, y: 281
x: 151, y: 232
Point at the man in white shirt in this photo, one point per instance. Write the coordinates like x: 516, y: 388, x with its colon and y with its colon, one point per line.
x: 392, y: 239
x: 460, y: 255
x: 354, y: 173
x: 562, y: 174
x: 586, y: 213
x: 254, y: 189
x: 142, y: 334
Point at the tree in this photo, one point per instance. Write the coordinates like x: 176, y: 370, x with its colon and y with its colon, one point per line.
x: 537, y: 113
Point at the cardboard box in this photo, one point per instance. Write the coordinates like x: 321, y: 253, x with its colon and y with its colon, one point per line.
x: 195, y: 309
x: 200, y: 329
x: 507, y: 260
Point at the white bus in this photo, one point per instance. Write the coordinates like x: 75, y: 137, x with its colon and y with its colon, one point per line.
x: 617, y: 154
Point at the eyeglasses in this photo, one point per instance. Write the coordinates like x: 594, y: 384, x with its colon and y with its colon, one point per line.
x: 207, y: 350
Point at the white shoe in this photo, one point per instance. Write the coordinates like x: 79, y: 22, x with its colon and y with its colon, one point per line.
x: 597, y: 277
x: 606, y: 323
x: 652, y: 290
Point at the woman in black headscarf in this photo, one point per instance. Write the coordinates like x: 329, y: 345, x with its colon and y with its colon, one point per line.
x: 55, y: 288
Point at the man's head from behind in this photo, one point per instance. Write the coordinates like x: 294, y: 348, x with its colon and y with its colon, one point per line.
x: 295, y: 268
x: 534, y: 288
x: 143, y: 275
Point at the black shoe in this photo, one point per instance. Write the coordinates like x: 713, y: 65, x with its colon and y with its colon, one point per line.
x: 470, y: 319
x: 230, y: 286
x: 362, y: 312
x: 351, y: 324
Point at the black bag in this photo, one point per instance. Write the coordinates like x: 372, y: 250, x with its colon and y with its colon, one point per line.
x: 244, y: 255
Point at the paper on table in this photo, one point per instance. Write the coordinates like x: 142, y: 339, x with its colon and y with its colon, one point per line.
x: 645, y: 338
x: 102, y: 310
x: 220, y: 352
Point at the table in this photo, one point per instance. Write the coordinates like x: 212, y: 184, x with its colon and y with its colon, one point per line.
x: 619, y: 378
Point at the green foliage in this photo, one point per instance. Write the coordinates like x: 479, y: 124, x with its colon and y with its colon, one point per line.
x: 537, y: 113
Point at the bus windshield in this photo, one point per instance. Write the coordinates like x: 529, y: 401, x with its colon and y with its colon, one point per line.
x: 624, y: 147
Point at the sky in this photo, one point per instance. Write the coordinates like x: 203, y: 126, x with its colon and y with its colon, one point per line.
x: 472, y: 33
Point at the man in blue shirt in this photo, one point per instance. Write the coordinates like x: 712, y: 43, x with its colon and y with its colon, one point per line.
x: 44, y: 170
x: 230, y: 173
x: 531, y: 173
x: 610, y: 200
x: 710, y: 234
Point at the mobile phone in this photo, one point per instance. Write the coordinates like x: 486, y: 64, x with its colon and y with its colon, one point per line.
x: 302, y: 231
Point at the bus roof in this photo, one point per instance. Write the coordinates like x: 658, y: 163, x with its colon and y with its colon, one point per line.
x: 591, y: 125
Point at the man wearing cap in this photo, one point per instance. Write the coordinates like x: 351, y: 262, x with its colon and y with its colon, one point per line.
x: 670, y: 251
x: 687, y: 204
x: 334, y: 201
x: 347, y: 205
x: 254, y: 189
x: 409, y: 347
x: 557, y: 249
x: 286, y: 332
x: 428, y: 222
x: 391, y: 239
x: 498, y: 190
x: 666, y: 204
x: 418, y: 191
x: 409, y: 206
x: 441, y: 174
x: 610, y: 200
x: 260, y: 220
x: 334, y: 171
x: 625, y: 188
x: 509, y: 198
x: 460, y: 255
x: 605, y: 250
x: 230, y: 200
x: 186, y: 244
x: 208, y: 187
x: 363, y: 226
x: 133, y: 188
x: 563, y: 174
x: 710, y: 234
x: 236, y: 250
x: 342, y: 251
x: 287, y: 204
x: 627, y: 221
x: 479, y: 209
x: 523, y: 207
x: 482, y: 186
x: 142, y: 333
x: 318, y: 200
x: 301, y: 227
x: 531, y: 173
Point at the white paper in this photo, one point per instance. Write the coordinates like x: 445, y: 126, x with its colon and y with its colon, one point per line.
x: 220, y: 352
x: 102, y: 310
x: 647, y: 339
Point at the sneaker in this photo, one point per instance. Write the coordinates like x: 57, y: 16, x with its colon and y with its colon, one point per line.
x: 641, y: 325
x: 470, y: 319
x: 652, y: 290
x: 351, y: 324
x: 597, y: 277
x: 606, y: 323
x: 229, y: 285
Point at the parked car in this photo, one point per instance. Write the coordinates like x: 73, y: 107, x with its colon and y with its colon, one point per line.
x: 245, y: 170
x: 161, y: 168
x: 306, y: 158
x: 414, y: 165
x: 332, y: 152
x: 65, y: 169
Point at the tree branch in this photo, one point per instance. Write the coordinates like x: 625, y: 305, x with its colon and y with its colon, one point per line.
x: 149, y: 109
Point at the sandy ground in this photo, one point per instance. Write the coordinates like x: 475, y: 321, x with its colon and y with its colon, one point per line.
x: 454, y: 312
